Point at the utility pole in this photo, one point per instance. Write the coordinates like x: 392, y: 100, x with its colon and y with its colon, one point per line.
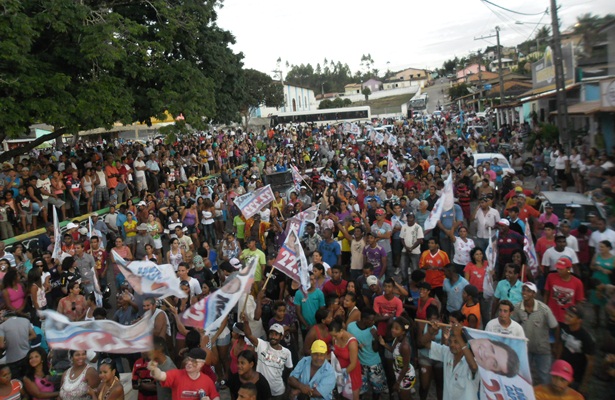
x: 500, y: 72
x: 480, y: 79
x: 560, y: 80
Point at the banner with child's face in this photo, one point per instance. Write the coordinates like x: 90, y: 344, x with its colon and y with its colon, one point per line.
x: 503, y: 365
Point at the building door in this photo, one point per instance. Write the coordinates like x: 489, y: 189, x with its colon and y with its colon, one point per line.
x: 294, y: 105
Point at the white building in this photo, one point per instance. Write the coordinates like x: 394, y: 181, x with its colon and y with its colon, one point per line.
x: 296, y: 98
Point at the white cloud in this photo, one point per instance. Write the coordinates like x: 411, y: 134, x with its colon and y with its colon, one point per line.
x: 421, y: 34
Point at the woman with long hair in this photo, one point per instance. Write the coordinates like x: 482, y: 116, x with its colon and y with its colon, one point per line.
x: 320, y: 331
x: 246, y: 373
x: 10, y: 388
x: 190, y: 220
x: 79, y: 378
x: 346, y: 349
x: 110, y: 387
x: 123, y: 251
x: 353, y: 313
x: 37, y: 377
x: 13, y: 291
x: 36, y: 293
x: 219, y: 208
x: 154, y: 228
x: 474, y: 272
x: 602, y: 265
x: 463, y: 247
x: 176, y: 254
x: 73, y: 305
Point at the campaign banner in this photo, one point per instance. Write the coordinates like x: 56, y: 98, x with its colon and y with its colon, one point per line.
x: 394, y: 168
x: 100, y: 335
x: 297, y: 179
x: 379, y: 138
x: 392, y: 140
x: 530, y: 250
x: 503, y: 365
x: 291, y: 260
x: 299, y: 221
x: 444, y: 203
x: 251, y: 203
x: 209, y: 313
x: 148, y: 278
x: 119, y: 260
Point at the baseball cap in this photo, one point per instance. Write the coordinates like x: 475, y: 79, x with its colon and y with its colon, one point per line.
x: 198, y: 354
x: 83, y: 231
x: 72, y: 225
x: 531, y: 286
x: 319, y: 346
x: 521, y: 195
x: 371, y: 280
x: 548, y: 205
x: 141, y: 203
x: 277, y: 328
x: 518, y: 189
x: 563, y: 263
x: 564, y: 222
x: 235, y: 263
x: 504, y: 221
x: 577, y: 311
x: 562, y: 369
x: 380, y: 211
x: 238, y: 328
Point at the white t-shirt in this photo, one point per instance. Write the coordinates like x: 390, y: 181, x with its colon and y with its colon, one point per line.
x: 462, y: 251
x: 271, y: 363
x: 411, y: 234
x: 560, y: 162
x: 44, y: 184
x: 551, y: 257
x: 195, y: 286
x: 598, y: 237
x: 139, y: 173
x: 573, y: 243
x: 514, y: 329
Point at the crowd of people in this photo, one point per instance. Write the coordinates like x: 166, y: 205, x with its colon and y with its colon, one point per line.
x: 388, y: 298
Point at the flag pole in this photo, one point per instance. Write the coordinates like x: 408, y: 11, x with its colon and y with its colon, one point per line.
x: 301, y: 176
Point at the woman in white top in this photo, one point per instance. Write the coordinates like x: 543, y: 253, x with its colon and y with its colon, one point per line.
x: 317, y: 259
x: 575, y: 164
x: 463, y: 246
x: 87, y: 186
x: 176, y: 254
x: 562, y: 167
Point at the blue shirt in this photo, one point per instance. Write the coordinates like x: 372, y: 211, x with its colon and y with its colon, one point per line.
x: 121, y: 218
x: 497, y: 169
x: 506, y: 291
x: 329, y: 251
x: 454, y: 299
x: 324, y: 380
x: 449, y: 217
x: 367, y: 355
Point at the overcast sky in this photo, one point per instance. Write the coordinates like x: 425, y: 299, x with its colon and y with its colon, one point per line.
x: 403, y: 33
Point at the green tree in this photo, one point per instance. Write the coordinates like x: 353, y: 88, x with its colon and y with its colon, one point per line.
x: 259, y: 89
x: 78, y: 65
x: 366, y: 92
x: 458, y: 91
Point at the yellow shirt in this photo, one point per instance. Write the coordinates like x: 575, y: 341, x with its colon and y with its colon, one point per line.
x: 345, y: 242
x: 129, y: 226
x: 543, y: 392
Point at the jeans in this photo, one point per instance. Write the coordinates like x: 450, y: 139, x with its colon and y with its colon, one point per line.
x: 409, y: 263
x: 540, y: 365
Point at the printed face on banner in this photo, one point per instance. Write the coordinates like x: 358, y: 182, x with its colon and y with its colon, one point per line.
x: 503, y: 365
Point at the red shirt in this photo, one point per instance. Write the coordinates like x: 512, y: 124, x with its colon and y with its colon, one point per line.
x: 141, y: 373
x: 184, y: 388
x: 329, y: 287
x: 382, y: 306
x: 563, y: 294
x: 528, y: 211
x: 542, y: 245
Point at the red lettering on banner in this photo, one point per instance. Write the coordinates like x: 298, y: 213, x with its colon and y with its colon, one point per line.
x: 493, y: 388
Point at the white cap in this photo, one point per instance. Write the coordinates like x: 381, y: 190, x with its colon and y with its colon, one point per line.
x: 72, y: 225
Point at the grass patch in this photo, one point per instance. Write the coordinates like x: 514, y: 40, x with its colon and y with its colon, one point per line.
x: 385, y: 105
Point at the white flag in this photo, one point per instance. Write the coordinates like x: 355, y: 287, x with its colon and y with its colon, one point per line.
x: 57, y: 247
x: 394, y: 168
x: 444, y: 203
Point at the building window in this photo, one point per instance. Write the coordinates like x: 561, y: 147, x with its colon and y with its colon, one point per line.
x: 305, y: 103
x: 294, y: 105
x: 299, y: 102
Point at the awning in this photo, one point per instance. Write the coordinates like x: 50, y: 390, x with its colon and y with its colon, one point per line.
x: 586, y: 108
x: 542, y: 92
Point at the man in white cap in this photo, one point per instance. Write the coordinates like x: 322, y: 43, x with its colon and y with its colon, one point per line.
x: 536, y: 319
x: 304, y: 198
x: 273, y: 358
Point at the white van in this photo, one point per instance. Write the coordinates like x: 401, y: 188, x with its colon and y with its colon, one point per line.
x: 480, y: 158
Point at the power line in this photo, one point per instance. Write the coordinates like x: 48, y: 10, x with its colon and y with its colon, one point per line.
x: 509, y: 10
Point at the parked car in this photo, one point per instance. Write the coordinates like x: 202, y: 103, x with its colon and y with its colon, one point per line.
x: 480, y: 158
x: 582, y: 204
